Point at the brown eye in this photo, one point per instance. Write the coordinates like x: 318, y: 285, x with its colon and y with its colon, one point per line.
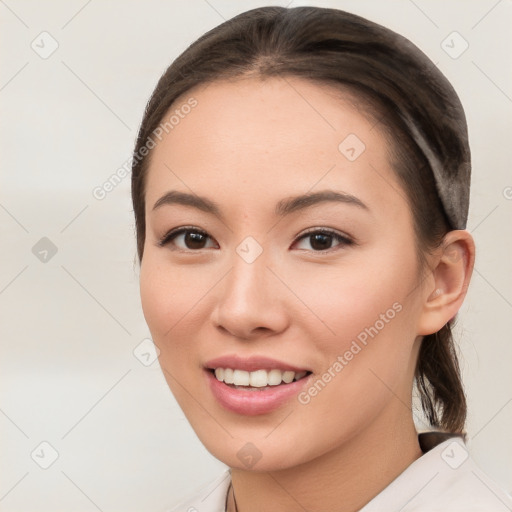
x: 194, y: 240
x: 322, y: 240
x: 186, y: 239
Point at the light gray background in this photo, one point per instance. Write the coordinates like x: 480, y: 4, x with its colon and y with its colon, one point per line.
x: 70, y: 325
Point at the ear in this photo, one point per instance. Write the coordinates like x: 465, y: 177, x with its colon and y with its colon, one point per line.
x: 448, y: 281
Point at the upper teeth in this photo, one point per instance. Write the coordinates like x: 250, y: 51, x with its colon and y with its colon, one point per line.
x: 258, y: 379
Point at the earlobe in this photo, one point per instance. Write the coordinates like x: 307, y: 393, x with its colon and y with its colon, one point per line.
x: 453, y: 266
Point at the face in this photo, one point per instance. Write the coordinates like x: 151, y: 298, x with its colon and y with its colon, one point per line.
x: 251, y: 278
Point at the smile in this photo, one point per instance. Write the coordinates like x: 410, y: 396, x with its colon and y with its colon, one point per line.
x: 255, y: 385
x: 243, y: 379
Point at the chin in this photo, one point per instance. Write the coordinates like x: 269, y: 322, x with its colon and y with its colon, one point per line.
x: 250, y: 451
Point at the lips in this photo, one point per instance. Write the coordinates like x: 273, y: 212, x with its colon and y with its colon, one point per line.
x: 256, y: 385
x: 252, y: 364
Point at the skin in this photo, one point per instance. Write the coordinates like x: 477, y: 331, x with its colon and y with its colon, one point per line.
x: 247, y: 145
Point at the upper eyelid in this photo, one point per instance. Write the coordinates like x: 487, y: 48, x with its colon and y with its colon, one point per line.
x: 333, y: 231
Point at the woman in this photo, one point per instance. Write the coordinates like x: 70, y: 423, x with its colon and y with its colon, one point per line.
x: 301, y: 188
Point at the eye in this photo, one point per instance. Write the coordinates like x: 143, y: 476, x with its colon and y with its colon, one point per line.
x: 190, y: 238
x: 322, y: 239
x: 186, y: 238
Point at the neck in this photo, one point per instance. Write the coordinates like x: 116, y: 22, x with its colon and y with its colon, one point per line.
x: 342, y: 480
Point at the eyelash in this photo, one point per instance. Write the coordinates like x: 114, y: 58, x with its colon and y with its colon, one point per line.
x: 342, y: 239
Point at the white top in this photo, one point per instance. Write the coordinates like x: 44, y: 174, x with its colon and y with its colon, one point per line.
x: 444, y: 479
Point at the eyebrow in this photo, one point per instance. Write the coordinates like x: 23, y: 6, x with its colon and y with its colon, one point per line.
x: 293, y: 204
x: 283, y: 207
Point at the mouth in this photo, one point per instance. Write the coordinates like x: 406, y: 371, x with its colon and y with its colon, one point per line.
x: 258, y: 380
x: 256, y: 392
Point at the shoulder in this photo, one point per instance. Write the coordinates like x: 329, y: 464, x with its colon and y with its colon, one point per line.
x: 211, y: 498
x: 446, y: 478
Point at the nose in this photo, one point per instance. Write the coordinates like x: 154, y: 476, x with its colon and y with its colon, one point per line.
x: 251, y: 301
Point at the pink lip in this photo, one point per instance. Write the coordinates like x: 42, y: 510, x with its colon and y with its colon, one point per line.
x: 252, y: 403
x: 251, y: 364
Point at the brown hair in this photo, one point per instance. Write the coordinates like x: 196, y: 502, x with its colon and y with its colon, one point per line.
x: 415, y: 105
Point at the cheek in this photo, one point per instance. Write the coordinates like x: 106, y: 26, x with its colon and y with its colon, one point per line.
x: 364, y: 329
x: 360, y: 296
x: 170, y: 294
x: 167, y: 298
x: 174, y: 301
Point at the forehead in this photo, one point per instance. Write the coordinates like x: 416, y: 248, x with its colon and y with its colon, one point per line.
x: 278, y: 135
x: 266, y: 106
